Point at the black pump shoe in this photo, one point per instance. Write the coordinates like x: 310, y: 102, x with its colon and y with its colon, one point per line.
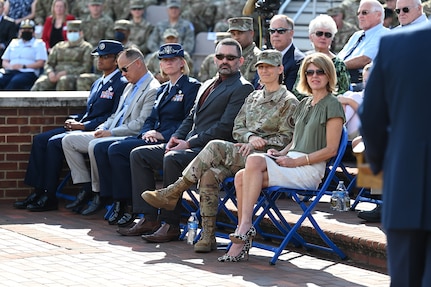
x: 81, y: 199
x: 30, y: 199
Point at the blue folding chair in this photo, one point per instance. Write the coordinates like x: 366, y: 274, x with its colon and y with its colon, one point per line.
x: 289, y: 232
x: 60, y: 187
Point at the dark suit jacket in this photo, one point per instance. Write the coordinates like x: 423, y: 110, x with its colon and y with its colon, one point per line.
x: 291, y: 63
x: 8, y: 31
x: 103, y: 103
x: 396, y: 126
x: 214, y: 119
x: 170, y: 110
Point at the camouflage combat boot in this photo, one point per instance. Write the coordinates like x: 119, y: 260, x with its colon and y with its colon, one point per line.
x: 167, y: 197
x: 207, y: 242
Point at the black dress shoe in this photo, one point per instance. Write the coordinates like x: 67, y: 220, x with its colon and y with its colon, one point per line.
x: 126, y: 220
x: 95, y: 205
x: 83, y: 196
x: 44, y: 203
x: 30, y: 199
x: 117, y: 213
x: 374, y: 215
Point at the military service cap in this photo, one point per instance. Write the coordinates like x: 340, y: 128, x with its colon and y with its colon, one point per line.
x: 221, y: 35
x: 170, y: 32
x: 334, y: 11
x: 171, y: 51
x: 270, y: 57
x: 107, y: 47
x: 27, y: 24
x: 122, y: 25
x: 74, y: 25
x: 240, y: 24
x: 173, y: 3
x: 139, y: 4
x: 95, y: 2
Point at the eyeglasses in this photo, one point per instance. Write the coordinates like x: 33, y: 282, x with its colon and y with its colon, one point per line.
x: 228, y: 57
x: 126, y: 68
x: 364, y: 12
x: 278, y: 30
x: 404, y: 9
x: 321, y: 33
x: 310, y: 73
x: 134, y: 9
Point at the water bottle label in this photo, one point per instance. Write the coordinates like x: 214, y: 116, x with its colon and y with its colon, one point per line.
x: 193, y: 225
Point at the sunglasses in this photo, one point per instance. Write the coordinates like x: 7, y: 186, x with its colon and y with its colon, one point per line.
x: 126, y: 68
x: 278, y: 30
x: 364, y: 12
x: 134, y: 9
x: 228, y: 57
x: 311, y: 72
x: 404, y: 9
x: 320, y: 34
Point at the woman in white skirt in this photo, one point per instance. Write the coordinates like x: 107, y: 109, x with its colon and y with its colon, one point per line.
x: 319, y: 121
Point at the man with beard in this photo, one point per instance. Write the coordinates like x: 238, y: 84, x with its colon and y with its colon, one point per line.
x: 217, y: 103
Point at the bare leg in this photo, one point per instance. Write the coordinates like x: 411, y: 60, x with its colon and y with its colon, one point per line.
x: 254, y: 178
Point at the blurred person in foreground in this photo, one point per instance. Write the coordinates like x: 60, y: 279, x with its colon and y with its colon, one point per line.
x: 388, y: 115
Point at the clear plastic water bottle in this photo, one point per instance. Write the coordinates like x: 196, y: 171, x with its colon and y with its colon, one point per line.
x: 340, y: 200
x: 346, y: 200
x: 192, y: 227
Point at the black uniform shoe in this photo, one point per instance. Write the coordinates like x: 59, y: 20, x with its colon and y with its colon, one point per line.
x: 44, y: 203
x: 30, y: 199
x: 117, y: 213
x: 81, y: 199
x: 374, y: 215
x: 95, y: 205
x: 127, y: 219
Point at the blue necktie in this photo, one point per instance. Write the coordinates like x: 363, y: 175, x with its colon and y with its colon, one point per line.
x: 126, y: 104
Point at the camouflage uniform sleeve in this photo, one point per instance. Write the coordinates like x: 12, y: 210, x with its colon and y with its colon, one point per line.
x: 240, y: 131
x: 52, y: 61
x: 84, y: 59
x: 189, y: 38
x: 154, y: 39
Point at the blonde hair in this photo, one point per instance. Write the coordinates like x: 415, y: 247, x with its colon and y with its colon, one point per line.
x: 66, y: 7
x: 323, y: 62
x: 185, y: 70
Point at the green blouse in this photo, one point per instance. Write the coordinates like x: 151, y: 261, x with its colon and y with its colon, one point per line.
x: 310, y: 123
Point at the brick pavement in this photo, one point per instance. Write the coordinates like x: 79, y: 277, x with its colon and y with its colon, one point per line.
x: 59, y: 248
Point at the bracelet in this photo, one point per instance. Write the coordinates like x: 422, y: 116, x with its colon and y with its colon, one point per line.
x: 308, y: 159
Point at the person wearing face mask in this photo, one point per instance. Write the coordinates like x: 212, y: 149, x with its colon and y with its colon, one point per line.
x: 66, y: 61
x: 23, y: 59
x: 122, y: 32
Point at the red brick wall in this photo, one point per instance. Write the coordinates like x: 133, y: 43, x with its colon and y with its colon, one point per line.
x: 18, y: 125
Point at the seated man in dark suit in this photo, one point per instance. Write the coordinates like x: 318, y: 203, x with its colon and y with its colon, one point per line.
x: 212, y: 117
x: 46, y: 157
x: 281, y: 36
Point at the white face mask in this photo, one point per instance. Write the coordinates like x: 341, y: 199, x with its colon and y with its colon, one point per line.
x: 73, y: 36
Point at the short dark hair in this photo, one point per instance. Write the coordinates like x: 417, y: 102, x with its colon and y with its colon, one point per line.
x: 230, y: 42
